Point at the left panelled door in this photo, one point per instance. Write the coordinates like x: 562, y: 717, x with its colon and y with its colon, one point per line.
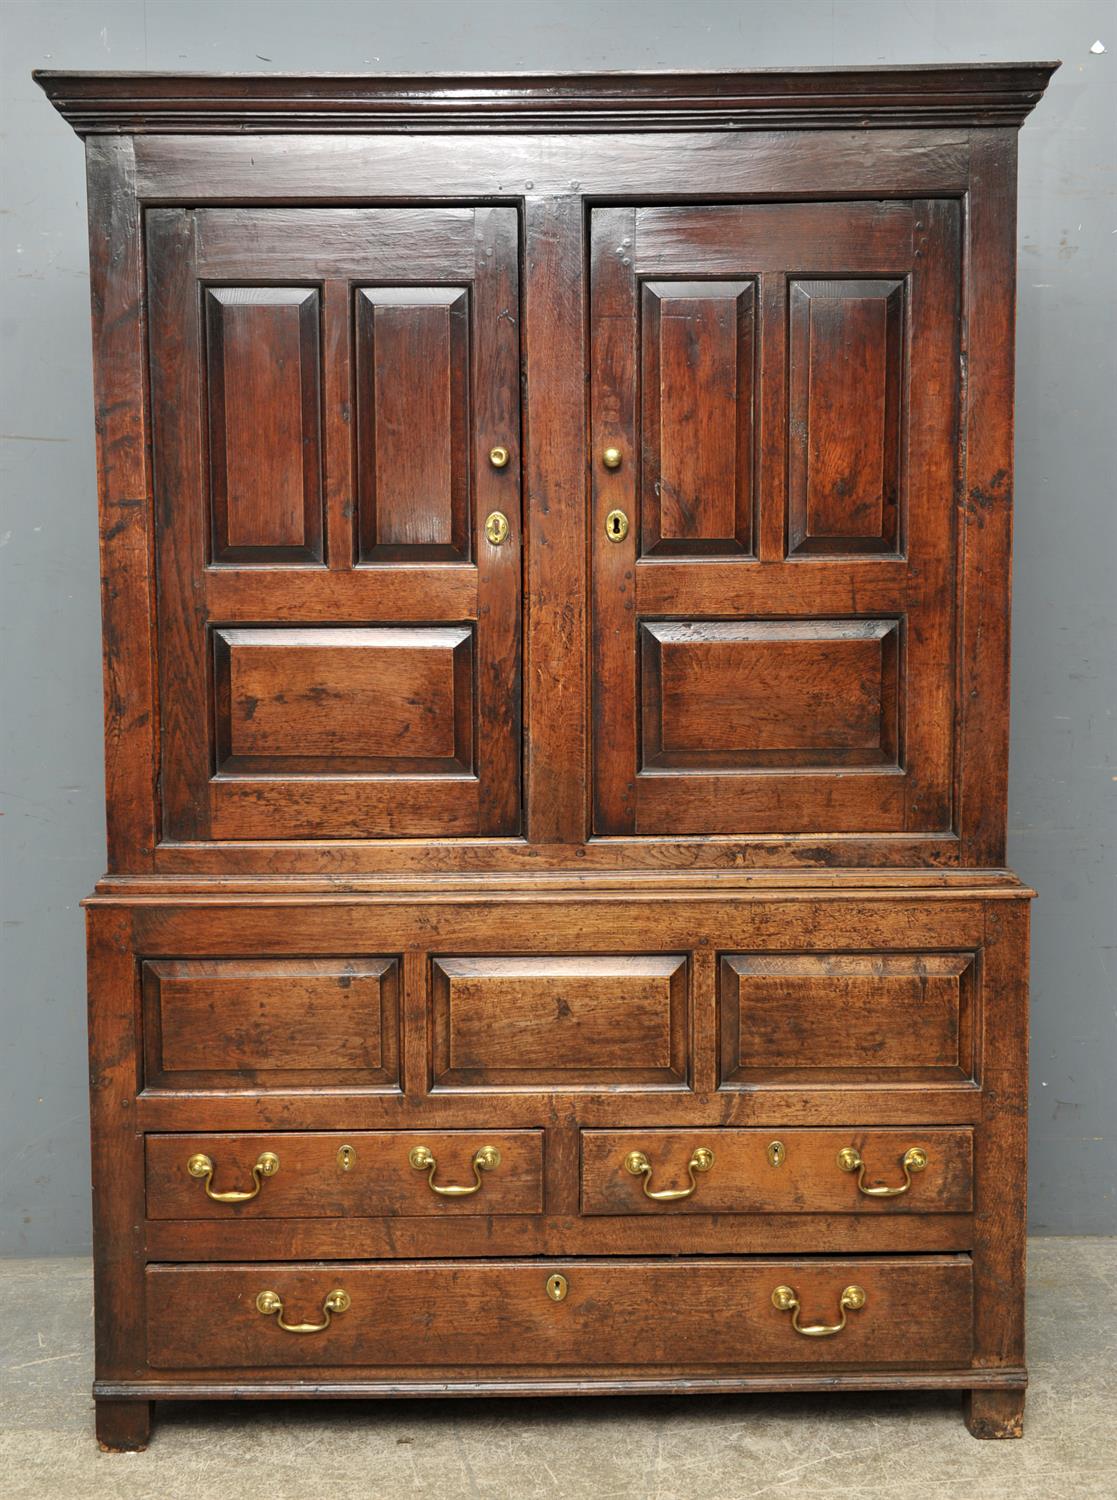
x: 336, y: 418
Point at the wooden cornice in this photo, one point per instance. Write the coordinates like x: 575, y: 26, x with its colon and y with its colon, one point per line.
x: 800, y: 99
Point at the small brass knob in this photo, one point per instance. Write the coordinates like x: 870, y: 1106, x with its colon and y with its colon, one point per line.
x: 611, y: 458
x: 499, y: 457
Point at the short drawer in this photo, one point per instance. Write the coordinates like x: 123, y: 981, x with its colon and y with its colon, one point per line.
x: 905, y: 1170
x: 847, y: 1018
x: 692, y: 1315
x: 335, y: 1175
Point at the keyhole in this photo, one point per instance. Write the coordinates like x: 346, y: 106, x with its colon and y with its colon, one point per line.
x: 616, y: 525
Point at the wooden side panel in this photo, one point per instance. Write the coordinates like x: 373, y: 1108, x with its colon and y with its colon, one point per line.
x: 844, y: 413
x: 686, y: 1314
x: 274, y: 1022
x: 721, y: 694
x: 847, y: 1017
x: 373, y: 1178
x: 384, y: 700
x: 413, y: 428
x: 559, y: 1023
x: 697, y: 417
x: 806, y: 1179
x: 263, y: 378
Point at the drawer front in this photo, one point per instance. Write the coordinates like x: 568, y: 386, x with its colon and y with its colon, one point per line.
x: 767, y: 1171
x: 687, y: 1315
x: 271, y: 1023
x: 846, y: 1018
x: 362, y: 1174
x: 559, y: 1022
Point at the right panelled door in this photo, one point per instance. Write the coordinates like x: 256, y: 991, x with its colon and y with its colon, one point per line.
x: 775, y: 393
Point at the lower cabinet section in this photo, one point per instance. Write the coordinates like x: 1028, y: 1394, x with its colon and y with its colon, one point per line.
x: 689, y: 1315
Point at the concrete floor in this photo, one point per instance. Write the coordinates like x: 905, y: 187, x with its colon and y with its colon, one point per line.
x: 729, y: 1448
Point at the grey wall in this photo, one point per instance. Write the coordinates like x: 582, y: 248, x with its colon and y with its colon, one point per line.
x: 1063, y: 774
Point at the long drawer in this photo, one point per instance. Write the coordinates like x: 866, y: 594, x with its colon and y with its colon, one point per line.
x: 719, y: 1171
x: 337, y: 1175
x: 687, y: 1314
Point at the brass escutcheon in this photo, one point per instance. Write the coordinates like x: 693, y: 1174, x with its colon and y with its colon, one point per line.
x: 556, y: 1287
x: 496, y: 527
x: 616, y: 525
x: 776, y: 1153
x: 346, y: 1158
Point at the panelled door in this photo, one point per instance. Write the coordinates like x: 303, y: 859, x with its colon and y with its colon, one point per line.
x: 774, y: 393
x: 336, y: 428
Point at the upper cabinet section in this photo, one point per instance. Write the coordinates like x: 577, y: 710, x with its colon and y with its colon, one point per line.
x: 539, y: 473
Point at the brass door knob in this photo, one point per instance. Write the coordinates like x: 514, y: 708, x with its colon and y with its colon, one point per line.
x: 499, y: 457
x: 611, y: 458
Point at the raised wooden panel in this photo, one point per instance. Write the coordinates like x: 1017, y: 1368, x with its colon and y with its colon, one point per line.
x: 845, y: 405
x: 413, y: 444
x: 270, y: 1022
x: 847, y: 1018
x: 764, y: 693
x: 687, y: 1314
x: 264, y: 406
x: 559, y: 1023
x: 697, y: 417
x: 385, y: 700
x: 807, y: 1180
x: 375, y: 1179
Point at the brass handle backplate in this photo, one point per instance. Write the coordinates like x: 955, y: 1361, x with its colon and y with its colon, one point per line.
x: 913, y: 1160
x: 785, y: 1299
x: 200, y: 1165
x: 702, y: 1159
x: 484, y: 1160
x: 496, y: 527
x: 268, y: 1303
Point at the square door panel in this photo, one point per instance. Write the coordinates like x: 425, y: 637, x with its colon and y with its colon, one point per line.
x: 852, y: 1018
x: 386, y: 700
x: 246, y: 1023
x: 559, y: 1022
x: 724, y: 694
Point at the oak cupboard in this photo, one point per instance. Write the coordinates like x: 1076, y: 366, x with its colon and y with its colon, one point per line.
x: 555, y: 541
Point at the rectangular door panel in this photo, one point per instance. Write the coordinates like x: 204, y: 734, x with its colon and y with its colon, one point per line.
x: 560, y: 1022
x: 263, y: 369
x: 338, y: 629
x: 774, y: 398
x: 249, y: 1023
x: 380, y: 700
x: 769, y: 693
